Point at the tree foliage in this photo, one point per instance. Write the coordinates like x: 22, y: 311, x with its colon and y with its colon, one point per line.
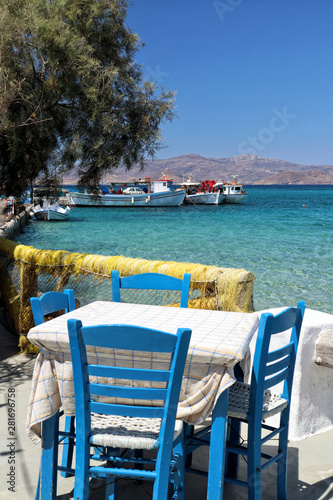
x: 71, y: 92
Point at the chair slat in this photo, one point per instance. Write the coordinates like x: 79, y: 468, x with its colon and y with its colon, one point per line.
x: 129, y: 373
x: 55, y: 302
x: 272, y: 381
x: 280, y: 353
x: 284, y: 321
x: 277, y: 367
x: 151, y: 281
x: 51, y: 302
x: 150, y: 340
x: 128, y: 392
x: 127, y: 410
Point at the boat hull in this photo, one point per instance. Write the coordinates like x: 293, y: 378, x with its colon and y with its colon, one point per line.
x: 50, y: 215
x: 162, y: 199
x: 234, y: 198
x: 205, y: 198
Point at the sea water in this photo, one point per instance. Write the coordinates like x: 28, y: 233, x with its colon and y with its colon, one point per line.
x: 282, y: 234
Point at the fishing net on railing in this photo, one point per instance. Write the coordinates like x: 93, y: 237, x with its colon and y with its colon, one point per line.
x: 28, y: 272
x: 89, y: 287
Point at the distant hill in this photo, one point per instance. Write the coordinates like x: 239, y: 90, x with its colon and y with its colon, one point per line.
x: 249, y: 169
x: 313, y: 176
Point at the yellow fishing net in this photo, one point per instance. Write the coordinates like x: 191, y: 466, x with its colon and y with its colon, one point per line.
x: 26, y: 272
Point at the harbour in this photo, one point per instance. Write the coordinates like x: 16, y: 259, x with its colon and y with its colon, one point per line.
x: 159, y: 193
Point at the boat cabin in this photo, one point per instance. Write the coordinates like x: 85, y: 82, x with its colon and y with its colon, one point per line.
x: 232, y: 189
x: 160, y: 185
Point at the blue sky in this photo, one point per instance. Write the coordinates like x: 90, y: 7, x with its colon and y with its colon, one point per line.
x: 252, y: 76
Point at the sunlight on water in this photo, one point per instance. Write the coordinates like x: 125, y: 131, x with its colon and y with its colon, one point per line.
x: 287, y: 246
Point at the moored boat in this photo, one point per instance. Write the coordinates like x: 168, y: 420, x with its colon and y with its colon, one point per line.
x: 159, y: 195
x: 233, y: 192
x: 50, y: 211
x: 201, y: 193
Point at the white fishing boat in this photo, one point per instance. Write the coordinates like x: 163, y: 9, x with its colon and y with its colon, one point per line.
x: 233, y: 192
x: 50, y: 211
x: 159, y: 195
x: 201, y: 193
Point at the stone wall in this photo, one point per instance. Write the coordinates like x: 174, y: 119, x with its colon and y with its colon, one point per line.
x: 11, y: 227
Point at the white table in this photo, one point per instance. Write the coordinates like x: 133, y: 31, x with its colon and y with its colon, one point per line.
x: 219, y: 341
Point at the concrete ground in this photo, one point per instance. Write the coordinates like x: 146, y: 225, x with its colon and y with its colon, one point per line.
x: 310, y: 461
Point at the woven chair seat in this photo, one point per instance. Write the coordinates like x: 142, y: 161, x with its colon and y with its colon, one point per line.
x: 127, y: 432
x: 239, y: 399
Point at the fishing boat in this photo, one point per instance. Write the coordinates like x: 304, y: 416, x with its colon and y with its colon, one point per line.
x: 159, y: 195
x: 201, y: 193
x: 233, y: 192
x: 50, y: 211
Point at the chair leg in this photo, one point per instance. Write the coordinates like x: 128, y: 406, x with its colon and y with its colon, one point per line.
x: 82, y: 462
x: 161, y: 484
x: 282, y: 462
x: 162, y: 471
x: 217, y: 447
x: 254, y: 461
x: 68, y: 446
x: 47, y: 481
x: 188, y: 431
x: 282, y: 478
x: 178, y: 471
x: 234, y: 439
x: 111, y: 488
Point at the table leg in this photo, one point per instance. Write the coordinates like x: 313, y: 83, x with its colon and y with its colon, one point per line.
x: 217, y: 448
x: 49, y: 459
x: 234, y: 439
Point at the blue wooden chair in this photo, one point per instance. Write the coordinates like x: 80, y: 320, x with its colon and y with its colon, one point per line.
x: 151, y: 281
x: 51, y: 302
x: 255, y: 403
x: 145, y: 283
x: 118, y: 425
x: 48, y: 304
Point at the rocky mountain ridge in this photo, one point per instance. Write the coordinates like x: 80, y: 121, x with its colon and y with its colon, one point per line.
x: 249, y: 169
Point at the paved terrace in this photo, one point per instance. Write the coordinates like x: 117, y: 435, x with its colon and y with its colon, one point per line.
x: 310, y: 464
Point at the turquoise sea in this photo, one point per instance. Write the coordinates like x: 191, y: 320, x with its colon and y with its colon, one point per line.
x: 283, y: 234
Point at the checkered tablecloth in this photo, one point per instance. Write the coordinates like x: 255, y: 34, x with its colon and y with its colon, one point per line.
x: 219, y: 340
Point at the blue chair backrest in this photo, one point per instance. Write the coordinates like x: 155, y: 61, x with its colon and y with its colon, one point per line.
x: 151, y: 281
x: 51, y: 302
x: 274, y: 367
x: 126, y: 338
